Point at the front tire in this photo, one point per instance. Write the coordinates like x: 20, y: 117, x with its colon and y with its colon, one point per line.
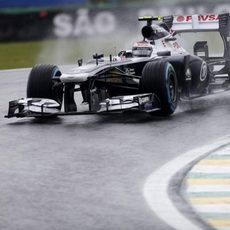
x: 41, y: 83
x: 159, y: 77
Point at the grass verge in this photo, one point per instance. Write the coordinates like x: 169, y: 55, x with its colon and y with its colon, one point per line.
x: 65, y: 51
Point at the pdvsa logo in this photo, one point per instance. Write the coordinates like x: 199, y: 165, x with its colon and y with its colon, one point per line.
x: 181, y: 18
x: 204, y: 18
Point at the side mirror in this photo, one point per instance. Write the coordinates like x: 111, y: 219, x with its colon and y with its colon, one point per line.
x: 164, y: 53
x: 170, y: 39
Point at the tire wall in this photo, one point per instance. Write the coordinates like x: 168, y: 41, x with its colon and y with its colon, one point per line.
x: 76, y: 22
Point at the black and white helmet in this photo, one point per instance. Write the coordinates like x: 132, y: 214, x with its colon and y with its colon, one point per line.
x: 142, y: 49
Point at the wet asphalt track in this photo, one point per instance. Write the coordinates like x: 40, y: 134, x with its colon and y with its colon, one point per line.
x: 88, y: 172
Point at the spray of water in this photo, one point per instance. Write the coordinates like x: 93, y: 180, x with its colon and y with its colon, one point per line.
x: 68, y: 51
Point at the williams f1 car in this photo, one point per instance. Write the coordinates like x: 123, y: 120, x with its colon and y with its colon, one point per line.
x: 151, y: 77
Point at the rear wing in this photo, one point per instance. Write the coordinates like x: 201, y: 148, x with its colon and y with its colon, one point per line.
x: 202, y: 23
x: 196, y: 23
x: 193, y: 23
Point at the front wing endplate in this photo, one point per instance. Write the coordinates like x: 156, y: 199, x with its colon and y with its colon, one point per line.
x: 32, y: 107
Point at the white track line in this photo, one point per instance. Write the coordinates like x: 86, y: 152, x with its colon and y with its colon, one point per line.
x: 211, y: 169
x: 14, y: 70
x: 155, y: 188
x: 213, y: 208
x: 207, y: 188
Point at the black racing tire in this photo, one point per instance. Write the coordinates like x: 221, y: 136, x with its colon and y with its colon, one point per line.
x: 42, y: 85
x: 159, y: 77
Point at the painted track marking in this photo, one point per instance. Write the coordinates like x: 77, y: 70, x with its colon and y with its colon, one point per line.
x: 155, y: 189
x: 210, y: 181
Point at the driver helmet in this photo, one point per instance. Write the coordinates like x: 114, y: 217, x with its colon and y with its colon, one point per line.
x: 142, y: 49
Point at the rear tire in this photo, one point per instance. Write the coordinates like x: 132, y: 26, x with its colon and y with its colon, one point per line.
x: 159, y: 77
x: 41, y: 83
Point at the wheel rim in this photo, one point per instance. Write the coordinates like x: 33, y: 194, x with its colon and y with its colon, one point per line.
x: 172, y: 89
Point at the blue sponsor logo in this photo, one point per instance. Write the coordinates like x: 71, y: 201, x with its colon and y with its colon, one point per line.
x: 37, y: 3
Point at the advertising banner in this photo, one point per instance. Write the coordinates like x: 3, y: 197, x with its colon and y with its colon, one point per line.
x: 82, y: 22
x: 37, y: 3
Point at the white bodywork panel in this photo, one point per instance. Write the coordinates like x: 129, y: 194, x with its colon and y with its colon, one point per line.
x: 82, y: 73
x: 142, y: 102
x: 40, y: 105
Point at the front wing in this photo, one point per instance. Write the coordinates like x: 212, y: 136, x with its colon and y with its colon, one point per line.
x: 41, y: 107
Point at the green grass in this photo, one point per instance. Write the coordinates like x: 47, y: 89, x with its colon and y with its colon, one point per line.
x: 65, y: 51
x: 20, y: 54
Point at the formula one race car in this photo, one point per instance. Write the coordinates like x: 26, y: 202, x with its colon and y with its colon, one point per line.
x: 151, y: 77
